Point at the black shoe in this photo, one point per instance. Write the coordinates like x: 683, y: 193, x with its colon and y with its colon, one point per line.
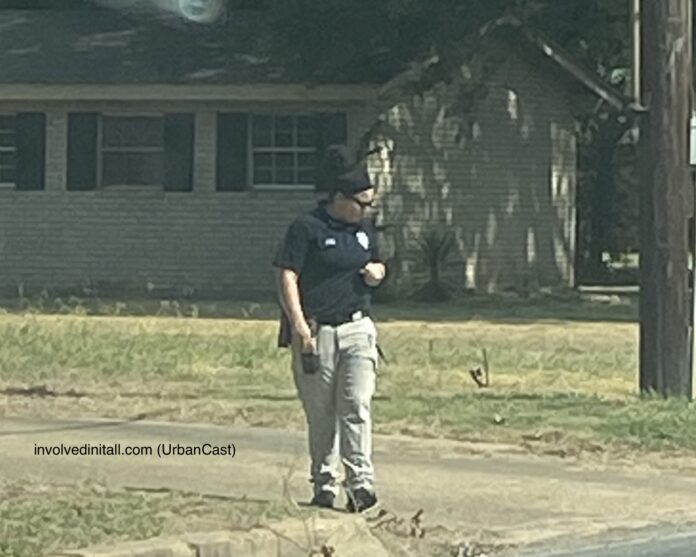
x: 323, y: 499
x: 360, y: 500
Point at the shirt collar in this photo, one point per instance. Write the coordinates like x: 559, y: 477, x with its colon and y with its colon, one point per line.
x: 331, y: 221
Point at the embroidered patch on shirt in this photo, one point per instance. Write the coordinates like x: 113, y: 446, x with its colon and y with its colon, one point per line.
x: 363, y: 239
x: 330, y: 242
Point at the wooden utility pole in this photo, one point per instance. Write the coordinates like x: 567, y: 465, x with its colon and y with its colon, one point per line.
x: 664, y: 299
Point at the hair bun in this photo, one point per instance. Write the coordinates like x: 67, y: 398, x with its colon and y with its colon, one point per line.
x: 337, y: 161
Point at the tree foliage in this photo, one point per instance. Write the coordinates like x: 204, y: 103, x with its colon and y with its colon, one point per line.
x: 361, y: 39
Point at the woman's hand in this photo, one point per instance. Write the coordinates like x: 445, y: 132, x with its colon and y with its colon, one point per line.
x: 373, y: 273
x: 309, y: 343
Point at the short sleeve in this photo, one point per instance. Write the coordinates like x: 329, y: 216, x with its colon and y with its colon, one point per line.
x: 293, y: 250
x: 374, y: 241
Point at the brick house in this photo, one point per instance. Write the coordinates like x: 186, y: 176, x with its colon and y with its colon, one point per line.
x: 137, y: 155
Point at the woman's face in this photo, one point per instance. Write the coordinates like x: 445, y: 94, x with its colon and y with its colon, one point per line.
x: 354, y: 208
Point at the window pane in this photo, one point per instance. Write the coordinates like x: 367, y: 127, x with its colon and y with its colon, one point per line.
x: 263, y: 176
x: 263, y: 168
x: 7, y: 138
x: 284, y: 124
x: 132, y: 169
x: 263, y: 160
x: 285, y: 161
x: 8, y: 170
x: 306, y: 160
x: 284, y: 131
x: 306, y: 140
x: 8, y: 174
x: 262, y: 131
x: 306, y: 176
x: 306, y: 124
x: 305, y: 131
x: 285, y: 168
x: 133, y: 131
x: 285, y: 176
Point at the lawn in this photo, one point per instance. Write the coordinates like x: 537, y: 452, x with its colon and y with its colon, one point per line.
x: 563, y: 372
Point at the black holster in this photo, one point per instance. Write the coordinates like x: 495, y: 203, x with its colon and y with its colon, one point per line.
x: 284, y: 331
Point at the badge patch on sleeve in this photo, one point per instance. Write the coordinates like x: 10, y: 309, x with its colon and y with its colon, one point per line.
x: 328, y: 242
x: 363, y: 239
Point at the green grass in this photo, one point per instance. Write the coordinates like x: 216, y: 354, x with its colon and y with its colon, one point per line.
x: 570, y: 306
x: 564, y: 383
x: 36, y: 519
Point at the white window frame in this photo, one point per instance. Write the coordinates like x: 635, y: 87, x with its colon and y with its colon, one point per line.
x: 251, y: 150
x: 101, y: 149
x: 10, y: 185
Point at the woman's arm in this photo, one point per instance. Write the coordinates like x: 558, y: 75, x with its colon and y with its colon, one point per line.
x: 289, y: 296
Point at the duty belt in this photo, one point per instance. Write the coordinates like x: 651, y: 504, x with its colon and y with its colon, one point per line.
x: 336, y: 320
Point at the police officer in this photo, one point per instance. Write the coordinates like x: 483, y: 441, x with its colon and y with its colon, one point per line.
x: 328, y: 264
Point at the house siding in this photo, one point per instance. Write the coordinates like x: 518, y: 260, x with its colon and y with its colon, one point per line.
x: 205, y: 241
x: 500, y: 176
x: 140, y: 238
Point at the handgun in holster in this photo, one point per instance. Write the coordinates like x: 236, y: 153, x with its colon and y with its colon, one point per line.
x: 310, y: 361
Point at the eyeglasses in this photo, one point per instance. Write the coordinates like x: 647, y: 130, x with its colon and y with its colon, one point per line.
x: 364, y: 204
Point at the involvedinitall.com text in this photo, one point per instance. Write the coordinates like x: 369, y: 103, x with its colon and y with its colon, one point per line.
x: 162, y: 450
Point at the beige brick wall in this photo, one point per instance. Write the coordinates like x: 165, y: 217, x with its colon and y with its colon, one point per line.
x: 500, y: 176
x: 56, y: 149
x: 204, y: 147
x: 115, y: 237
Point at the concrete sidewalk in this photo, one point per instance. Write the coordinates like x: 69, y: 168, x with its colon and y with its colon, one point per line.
x: 510, y: 498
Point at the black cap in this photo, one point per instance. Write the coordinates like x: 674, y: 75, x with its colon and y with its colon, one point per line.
x: 343, y: 173
x: 353, y: 182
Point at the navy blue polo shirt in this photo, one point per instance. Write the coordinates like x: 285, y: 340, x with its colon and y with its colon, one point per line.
x: 328, y: 255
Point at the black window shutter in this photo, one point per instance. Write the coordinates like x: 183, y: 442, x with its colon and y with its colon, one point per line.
x: 178, y: 152
x: 332, y: 129
x: 31, y: 150
x: 232, y: 147
x: 82, y: 150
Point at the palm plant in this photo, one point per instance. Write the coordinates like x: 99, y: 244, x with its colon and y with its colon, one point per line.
x: 435, y: 247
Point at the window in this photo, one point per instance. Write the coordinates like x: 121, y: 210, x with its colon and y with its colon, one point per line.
x: 132, y: 150
x: 283, y: 150
x: 8, y: 151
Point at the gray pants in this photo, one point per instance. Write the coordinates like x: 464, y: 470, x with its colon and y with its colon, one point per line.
x: 336, y: 401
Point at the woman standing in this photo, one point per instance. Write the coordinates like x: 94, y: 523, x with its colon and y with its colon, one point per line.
x: 328, y: 264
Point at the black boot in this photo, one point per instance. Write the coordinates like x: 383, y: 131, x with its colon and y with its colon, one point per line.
x: 360, y: 500
x: 323, y: 499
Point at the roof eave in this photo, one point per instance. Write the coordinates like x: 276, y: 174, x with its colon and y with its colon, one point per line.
x: 252, y: 92
x: 594, y: 83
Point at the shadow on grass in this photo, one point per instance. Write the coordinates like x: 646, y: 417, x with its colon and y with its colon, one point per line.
x: 105, y: 424
x: 573, y: 306
x: 511, y: 310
